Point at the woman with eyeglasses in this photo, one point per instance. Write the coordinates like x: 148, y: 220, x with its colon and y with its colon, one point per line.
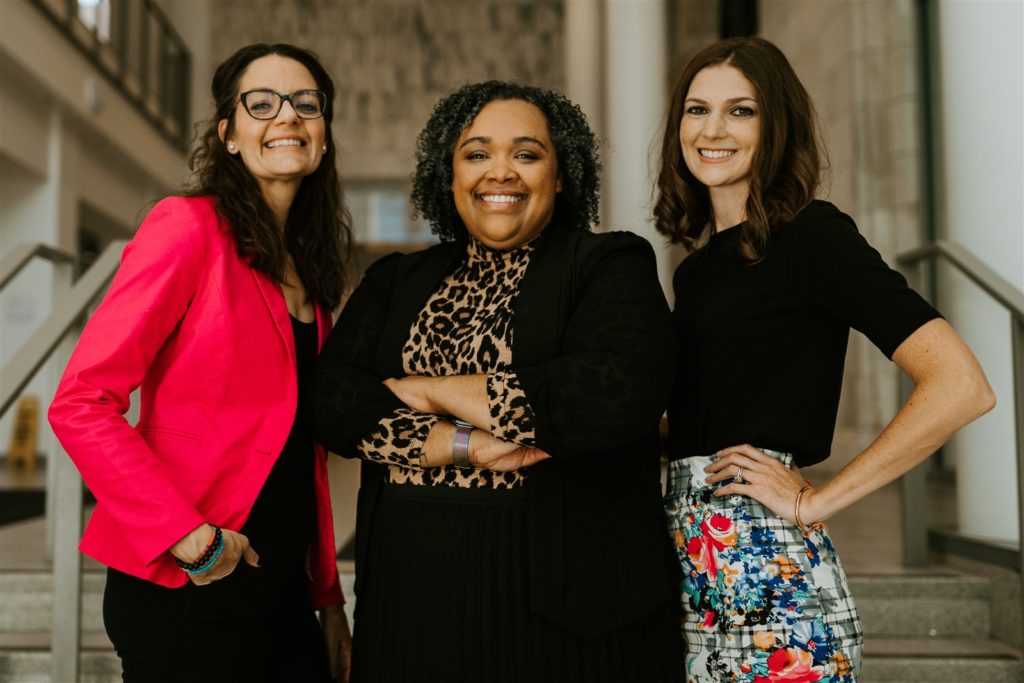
x: 213, y: 512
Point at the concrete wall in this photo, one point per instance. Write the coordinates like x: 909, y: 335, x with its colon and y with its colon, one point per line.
x: 980, y: 55
x: 392, y: 59
x: 860, y: 71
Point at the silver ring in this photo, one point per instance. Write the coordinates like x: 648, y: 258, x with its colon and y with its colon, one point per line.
x: 739, y: 475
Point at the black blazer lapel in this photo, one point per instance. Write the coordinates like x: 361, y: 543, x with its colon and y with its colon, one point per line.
x: 543, y: 302
x: 541, y: 311
x: 418, y: 278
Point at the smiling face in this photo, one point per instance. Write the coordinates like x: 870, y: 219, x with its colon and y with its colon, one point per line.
x: 720, y: 130
x: 280, y: 151
x: 505, y: 174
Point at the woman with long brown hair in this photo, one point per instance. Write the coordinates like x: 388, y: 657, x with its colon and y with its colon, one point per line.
x: 765, y: 300
x: 213, y: 512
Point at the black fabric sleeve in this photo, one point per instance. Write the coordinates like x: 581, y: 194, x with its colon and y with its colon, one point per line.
x: 610, y: 384
x: 346, y: 399
x: 847, y: 277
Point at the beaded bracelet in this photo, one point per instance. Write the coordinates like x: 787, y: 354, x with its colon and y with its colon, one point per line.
x: 209, y: 544
x: 213, y: 547
x: 212, y: 561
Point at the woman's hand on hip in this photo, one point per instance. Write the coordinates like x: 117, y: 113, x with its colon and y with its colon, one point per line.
x: 760, y: 477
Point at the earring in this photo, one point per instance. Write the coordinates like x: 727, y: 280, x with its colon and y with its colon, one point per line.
x: 231, y: 147
x: 324, y: 148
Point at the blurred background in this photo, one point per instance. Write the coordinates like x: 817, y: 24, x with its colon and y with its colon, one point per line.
x: 921, y: 103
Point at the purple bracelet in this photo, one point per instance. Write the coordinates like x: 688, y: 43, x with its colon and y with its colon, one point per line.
x: 460, y: 444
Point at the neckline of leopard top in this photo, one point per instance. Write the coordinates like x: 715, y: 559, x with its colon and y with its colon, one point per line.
x: 480, y: 254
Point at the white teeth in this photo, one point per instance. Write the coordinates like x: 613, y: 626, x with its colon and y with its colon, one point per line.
x: 716, y: 153
x: 285, y: 143
x: 501, y: 198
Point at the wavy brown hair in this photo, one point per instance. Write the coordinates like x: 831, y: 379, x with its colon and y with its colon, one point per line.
x: 786, y: 167
x: 318, y: 231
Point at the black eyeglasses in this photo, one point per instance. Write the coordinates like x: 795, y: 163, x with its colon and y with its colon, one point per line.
x: 265, y: 104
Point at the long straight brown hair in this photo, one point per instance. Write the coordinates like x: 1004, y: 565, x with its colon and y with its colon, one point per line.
x: 786, y: 167
x: 318, y: 231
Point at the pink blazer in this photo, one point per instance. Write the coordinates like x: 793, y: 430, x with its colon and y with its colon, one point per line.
x: 209, y: 340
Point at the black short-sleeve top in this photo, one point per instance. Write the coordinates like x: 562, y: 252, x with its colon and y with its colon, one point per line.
x: 762, y: 345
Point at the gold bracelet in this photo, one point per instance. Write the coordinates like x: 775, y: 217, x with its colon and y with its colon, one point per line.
x: 804, y: 528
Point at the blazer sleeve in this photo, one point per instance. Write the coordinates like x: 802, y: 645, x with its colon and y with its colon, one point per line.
x: 609, y: 385
x: 154, y: 286
x: 347, y: 399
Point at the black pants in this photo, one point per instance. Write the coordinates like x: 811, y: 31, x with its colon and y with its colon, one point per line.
x: 247, y: 627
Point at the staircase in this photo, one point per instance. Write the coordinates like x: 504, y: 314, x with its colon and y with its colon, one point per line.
x: 26, y: 599
x: 25, y: 606
x: 934, y: 627
x: 931, y: 627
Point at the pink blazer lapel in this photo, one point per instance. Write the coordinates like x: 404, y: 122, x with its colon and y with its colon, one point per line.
x: 277, y: 308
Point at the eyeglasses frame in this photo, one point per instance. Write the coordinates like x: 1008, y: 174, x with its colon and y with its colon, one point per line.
x: 282, y: 98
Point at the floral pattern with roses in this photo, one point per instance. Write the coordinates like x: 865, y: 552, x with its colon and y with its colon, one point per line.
x: 764, y: 602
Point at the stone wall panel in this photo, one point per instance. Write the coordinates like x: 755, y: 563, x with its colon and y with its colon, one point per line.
x: 393, y: 59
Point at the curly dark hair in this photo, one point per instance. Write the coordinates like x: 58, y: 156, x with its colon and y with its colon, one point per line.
x: 576, y: 206
x: 786, y: 167
x: 318, y: 232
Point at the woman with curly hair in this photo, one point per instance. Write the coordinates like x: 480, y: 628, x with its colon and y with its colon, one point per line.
x: 764, y: 305
x: 503, y: 390
x: 214, y: 513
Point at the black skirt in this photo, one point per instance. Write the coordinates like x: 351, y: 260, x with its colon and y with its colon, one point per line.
x: 445, y: 599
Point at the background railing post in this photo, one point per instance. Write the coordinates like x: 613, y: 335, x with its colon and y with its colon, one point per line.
x: 67, y: 572
x: 63, y: 277
x: 1017, y: 349
x: 914, y: 484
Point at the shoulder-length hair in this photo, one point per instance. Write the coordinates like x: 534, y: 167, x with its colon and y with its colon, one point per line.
x: 318, y: 231
x: 786, y: 166
x: 576, y: 206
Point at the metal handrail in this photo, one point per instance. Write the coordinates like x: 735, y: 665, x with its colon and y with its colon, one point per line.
x: 23, y: 253
x: 64, y: 483
x: 20, y: 369
x: 994, y: 284
x: 1011, y: 299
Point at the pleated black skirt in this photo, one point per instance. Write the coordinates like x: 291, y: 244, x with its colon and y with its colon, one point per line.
x: 445, y: 599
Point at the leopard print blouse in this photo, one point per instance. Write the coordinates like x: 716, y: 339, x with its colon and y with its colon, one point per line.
x: 465, y: 328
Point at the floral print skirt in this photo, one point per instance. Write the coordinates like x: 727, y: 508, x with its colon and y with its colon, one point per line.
x: 762, y: 601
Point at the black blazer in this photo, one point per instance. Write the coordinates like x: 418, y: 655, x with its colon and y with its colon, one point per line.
x: 593, y: 350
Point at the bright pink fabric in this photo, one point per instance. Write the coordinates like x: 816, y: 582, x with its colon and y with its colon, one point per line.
x: 209, y: 341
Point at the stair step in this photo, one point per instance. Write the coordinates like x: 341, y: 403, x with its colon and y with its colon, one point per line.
x: 923, y: 605
x: 34, y: 667
x: 40, y: 641
x: 27, y: 599
x: 940, y: 660
x: 886, y: 661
